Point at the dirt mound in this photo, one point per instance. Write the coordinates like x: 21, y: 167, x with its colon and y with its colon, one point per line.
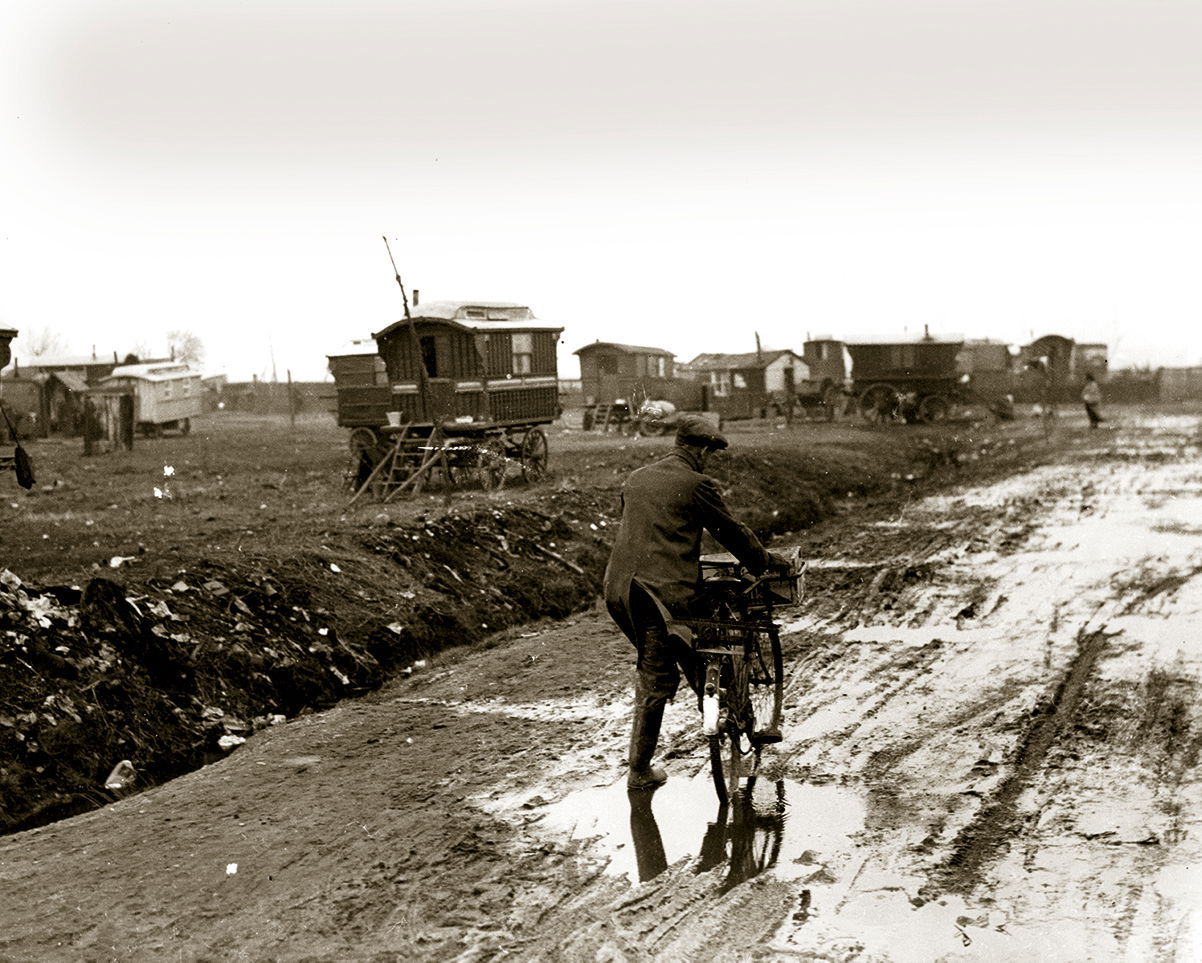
x: 168, y: 672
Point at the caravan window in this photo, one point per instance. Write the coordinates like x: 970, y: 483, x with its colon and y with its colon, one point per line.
x: 523, y: 353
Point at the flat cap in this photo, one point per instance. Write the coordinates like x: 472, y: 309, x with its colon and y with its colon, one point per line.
x: 697, y: 431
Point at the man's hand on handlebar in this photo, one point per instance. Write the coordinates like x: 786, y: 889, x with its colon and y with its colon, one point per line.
x: 777, y: 560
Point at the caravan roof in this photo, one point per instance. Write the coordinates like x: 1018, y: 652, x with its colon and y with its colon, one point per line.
x: 162, y: 371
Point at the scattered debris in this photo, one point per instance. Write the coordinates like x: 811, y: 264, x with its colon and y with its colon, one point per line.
x: 122, y: 776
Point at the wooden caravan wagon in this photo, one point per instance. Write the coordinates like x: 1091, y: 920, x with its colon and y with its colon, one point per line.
x: 907, y: 380
x: 167, y: 394
x: 458, y: 389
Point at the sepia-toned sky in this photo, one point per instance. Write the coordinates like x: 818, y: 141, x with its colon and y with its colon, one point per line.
x: 682, y: 174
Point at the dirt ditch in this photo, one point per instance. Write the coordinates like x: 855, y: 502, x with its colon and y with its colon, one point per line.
x: 172, y: 668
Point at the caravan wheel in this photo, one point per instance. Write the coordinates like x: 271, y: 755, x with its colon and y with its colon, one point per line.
x: 934, y: 409
x: 534, y: 455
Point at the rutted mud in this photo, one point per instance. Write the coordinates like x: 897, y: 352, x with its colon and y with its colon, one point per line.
x: 977, y: 842
x: 939, y: 710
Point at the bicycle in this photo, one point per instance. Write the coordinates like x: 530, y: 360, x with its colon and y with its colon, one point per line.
x: 743, y: 693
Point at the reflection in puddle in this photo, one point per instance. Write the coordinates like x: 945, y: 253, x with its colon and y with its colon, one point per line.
x: 778, y: 825
x: 747, y: 835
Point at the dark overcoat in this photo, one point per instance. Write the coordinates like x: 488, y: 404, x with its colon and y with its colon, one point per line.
x: 665, y: 508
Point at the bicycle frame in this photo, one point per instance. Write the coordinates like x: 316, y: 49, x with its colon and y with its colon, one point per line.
x: 740, y: 646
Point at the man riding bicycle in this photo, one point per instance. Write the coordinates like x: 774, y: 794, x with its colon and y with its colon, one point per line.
x: 654, y: 575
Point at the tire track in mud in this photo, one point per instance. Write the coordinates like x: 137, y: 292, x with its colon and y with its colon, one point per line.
x: 977, y: 843
x: 887, y: 758
x: 899, y: 673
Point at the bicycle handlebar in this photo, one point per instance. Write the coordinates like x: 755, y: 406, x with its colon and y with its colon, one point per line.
x: 732, y: 571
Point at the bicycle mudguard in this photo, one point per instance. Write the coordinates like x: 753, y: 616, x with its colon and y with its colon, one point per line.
x: 682, y: 631
x: 709, y: 700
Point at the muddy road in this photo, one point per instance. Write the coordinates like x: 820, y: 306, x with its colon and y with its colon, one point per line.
x: 991, y: 752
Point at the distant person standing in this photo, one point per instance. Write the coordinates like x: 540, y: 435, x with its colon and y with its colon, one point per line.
x: 1091, y: 395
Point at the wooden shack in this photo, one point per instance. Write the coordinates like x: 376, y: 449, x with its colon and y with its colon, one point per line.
x: 88, y: 368
x: 827, y: 359
x: 610, y: 372
x: 362, y: 393
x: 25, y: 401
x: 64, y: 394
x: 752, y: 384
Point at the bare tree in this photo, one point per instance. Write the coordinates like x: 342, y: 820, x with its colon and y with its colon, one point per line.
x: 185, y: 346
x: 42, y: 341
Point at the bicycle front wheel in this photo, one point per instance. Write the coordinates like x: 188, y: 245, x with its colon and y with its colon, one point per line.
x: 730, y: 748
x: 764, y: 665
x: 752, y: 684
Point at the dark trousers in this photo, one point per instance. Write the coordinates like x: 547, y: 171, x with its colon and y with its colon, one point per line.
x: 662, y: 659
x: 1095, y: 416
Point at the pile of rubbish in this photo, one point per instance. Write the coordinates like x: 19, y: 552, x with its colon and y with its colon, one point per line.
x: 107, y: 689
x: 103, y: 692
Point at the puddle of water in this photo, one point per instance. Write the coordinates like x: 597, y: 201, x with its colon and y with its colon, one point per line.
x: 786, y: 828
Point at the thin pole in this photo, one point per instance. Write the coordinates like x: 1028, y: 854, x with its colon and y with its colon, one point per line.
x: 415, y: 346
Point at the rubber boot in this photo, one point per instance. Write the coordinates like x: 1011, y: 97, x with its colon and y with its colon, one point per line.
x: 644, y: 737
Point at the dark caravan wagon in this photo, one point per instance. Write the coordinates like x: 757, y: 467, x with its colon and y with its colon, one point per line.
x: 907, y: 380
x: 460, y: 390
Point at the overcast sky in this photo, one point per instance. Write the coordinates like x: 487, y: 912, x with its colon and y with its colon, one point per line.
x: 682, y: 174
